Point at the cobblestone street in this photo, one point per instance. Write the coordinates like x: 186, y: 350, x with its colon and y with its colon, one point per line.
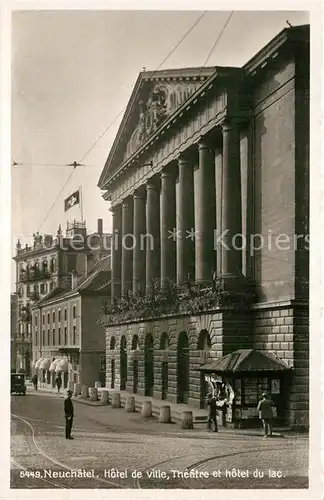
x: 116, y: 449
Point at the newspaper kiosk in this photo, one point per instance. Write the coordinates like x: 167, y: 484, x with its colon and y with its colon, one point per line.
x: 239, y: 379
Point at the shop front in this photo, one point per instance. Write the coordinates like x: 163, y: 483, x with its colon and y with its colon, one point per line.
x: 239, y: 379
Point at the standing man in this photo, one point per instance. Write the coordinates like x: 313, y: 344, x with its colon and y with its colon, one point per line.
x: 212, y: 413
x: 69, y: 414
x: 34, y: 381
x: 265, y: 414
x: 58, y: 382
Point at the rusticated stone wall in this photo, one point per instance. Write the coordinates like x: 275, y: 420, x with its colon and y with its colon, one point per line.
x: 209, y: 336
x: 285, y: 331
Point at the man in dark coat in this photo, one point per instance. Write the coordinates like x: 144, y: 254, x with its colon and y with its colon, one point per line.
x: 69, y: 414
x: 265, y: 413
x: 212, y: 413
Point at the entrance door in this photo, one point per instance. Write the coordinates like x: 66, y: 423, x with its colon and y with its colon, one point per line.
x: 148, y: 365
x: 123, y: 364
x: 183, y: 368
x: 164, y: 379
x: 112, y: 380
x: 135, y: 375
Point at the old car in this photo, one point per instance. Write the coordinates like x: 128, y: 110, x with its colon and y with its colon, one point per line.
x: 18, y: 385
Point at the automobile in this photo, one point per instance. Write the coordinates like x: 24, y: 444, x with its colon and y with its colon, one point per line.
x: 18, y: 385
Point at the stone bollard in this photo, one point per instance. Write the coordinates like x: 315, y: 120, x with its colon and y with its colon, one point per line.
x: 186, y: 420
x: 130, y: 404
x: 147, y: 409
x: 84, y: 392
x: 77, y: 390
x: 104, y: 397
x: 70, y: 386
x: 93, y: 393
x: 115, y: 400
x: 165, y: 415
x: 97, y: 385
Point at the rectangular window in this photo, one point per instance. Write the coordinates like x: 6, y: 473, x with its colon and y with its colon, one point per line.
x: 59, y: 315
x: 43, y: 337
x: 74, y: 312
x: 48, y: 338
x: 59, y: 336
x: 54, y: 339
x: 48, y: 318
x: 74, y: 335
x: 36, y: 320
x: 65, y: 314
x: 65, y: 336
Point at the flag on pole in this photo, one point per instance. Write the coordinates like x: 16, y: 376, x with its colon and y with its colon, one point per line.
x: 73, y: 199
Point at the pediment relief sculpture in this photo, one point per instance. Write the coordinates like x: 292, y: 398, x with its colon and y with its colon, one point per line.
x: 162, y: 101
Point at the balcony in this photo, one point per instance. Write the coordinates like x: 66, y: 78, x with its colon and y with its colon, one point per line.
x: 34, y: 275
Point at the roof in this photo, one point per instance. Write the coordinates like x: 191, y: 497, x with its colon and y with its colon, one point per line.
x: 113, y: 162
x: 246, y: 360
x: 98, y: 281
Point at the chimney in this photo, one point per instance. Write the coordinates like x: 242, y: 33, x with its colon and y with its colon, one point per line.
x: 100, y: 223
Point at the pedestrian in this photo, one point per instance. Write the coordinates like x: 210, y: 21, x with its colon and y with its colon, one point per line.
x: 69, y: 414
x: 212, y: 412
x: 265, y: 413
x: 58, y: 382
x: 35, y: 381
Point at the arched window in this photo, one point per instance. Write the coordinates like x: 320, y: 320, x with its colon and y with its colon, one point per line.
x: 112, y: 343
x: 204, y: 342
x: 135, y: 343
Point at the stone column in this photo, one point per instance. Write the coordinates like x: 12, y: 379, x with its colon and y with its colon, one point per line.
x: 116, y: 252
x: 153, y: 233
x: 139, y: 241
x: 205, y: 214
x: 168, y: 224
x: 185, y: 215
x: 231, y: 202
x: 127, y: 244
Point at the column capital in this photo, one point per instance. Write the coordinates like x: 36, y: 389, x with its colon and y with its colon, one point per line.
x: 126, y: 202
x: 184, y: 158
x: 231, y: 123
x: 115, y: 209
x: 139, y: 193
x: 165, y: 174
x: 205, y: 144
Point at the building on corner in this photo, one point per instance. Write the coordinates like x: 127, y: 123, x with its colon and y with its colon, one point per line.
x: 209, y: 175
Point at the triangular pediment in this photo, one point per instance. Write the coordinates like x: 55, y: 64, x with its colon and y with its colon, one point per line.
x: 155, y: 97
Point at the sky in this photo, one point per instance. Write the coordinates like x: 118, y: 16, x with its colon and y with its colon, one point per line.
x: 73, y: 73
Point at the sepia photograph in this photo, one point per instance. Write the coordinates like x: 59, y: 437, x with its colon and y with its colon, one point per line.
x: 160, y: 235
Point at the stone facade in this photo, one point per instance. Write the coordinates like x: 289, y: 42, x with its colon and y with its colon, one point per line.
x: 231, y: 160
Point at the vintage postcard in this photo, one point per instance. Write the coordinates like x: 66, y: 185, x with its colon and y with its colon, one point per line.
x: 164, y: 174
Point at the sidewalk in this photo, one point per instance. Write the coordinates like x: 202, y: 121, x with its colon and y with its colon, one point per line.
x: 199, y: 415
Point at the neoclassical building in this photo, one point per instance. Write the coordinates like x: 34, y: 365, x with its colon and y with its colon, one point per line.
x: 208, y: 184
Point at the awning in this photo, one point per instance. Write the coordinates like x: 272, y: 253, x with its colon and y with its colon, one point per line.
x: 62, y: 366
x: 38, y: 363
x: 53, y: 364
x: 246, y: 360
x: 45, y: 364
